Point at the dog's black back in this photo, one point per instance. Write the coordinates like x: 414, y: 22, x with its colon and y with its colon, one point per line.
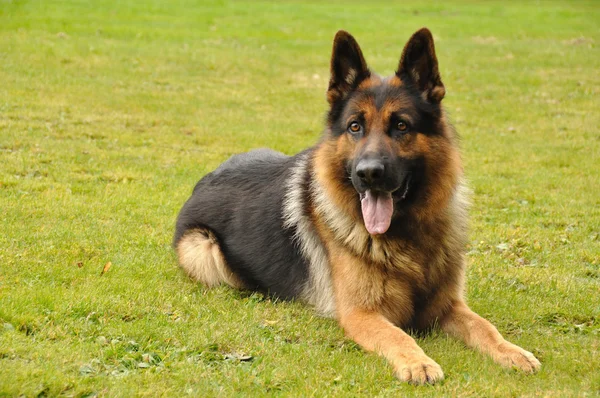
x: 242, y: 203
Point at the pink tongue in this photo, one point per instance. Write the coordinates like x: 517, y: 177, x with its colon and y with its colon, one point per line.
x: 377, y: 212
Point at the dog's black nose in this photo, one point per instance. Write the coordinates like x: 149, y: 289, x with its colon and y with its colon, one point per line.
x: 370, y: 171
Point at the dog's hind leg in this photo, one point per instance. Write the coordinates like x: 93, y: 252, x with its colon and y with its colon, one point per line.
x: 202, y: 259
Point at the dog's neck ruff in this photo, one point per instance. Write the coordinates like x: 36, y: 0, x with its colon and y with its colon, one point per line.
x: 318, y: 290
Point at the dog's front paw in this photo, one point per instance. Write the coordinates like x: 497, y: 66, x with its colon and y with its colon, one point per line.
x: 513, y: 356
x: 420, y: 370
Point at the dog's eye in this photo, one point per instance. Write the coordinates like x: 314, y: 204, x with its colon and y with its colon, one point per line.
x: 354, y: 127
x: 402, y: 126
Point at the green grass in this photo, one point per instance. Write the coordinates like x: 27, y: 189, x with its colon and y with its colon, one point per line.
x: 109, y: 114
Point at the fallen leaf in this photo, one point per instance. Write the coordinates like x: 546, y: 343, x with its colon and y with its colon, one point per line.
x: 86, y: 370
x: 502, y: 247
x: 238, y: 357
x: 106, y: 268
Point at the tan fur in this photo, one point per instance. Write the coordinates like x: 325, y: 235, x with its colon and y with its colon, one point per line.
x: 378, y: 284
x: 479, y: 333
x: 372, y: 81
x: 317, y: 291
x: 201, y: 258
x: 365, y: 314
x: 376, y: 279
x: 394, y: 81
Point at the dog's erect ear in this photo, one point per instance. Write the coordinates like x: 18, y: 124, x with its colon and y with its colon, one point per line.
x: 419, y: 65
x: 348, y: 67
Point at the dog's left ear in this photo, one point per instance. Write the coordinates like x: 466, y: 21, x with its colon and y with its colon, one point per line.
x: 419, y: 65
x: 348, y: 67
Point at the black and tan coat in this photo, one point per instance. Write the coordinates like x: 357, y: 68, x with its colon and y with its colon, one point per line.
x: 368, y: 226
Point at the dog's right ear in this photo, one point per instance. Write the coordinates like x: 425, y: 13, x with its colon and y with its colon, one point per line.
x: 348, y: 67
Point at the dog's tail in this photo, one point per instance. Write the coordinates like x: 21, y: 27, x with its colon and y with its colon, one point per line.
x: 200, y: 256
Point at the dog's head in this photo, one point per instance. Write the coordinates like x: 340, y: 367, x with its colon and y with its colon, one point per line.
x: 391, y: 132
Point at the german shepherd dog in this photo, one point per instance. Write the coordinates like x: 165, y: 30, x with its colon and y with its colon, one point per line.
x: 368, y: 226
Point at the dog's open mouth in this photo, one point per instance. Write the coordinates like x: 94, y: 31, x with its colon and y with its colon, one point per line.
x: 378, y: 207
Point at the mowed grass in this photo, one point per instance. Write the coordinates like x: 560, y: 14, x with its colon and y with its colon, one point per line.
x: 110, y: 113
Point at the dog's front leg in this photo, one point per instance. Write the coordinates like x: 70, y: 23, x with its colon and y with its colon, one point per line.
x: 479, y: 333
x: 374, y: 332
x: 360, y: 300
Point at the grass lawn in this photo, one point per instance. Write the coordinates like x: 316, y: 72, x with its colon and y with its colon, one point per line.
x: 109, y: 114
